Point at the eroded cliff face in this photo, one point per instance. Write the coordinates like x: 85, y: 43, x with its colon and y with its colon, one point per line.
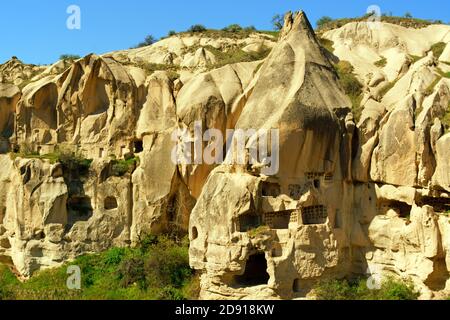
x: 351, y: 196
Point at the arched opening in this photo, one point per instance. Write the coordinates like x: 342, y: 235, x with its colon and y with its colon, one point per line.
x: 255, y: 271
x: 110, y: 203
x: 138, y: 146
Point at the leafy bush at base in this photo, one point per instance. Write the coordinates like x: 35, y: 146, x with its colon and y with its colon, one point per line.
x: 391, y: 289
x: 156, y: 269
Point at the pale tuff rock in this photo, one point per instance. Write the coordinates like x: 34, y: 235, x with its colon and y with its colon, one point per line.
x: 445, y: 56
x: 350, y: 195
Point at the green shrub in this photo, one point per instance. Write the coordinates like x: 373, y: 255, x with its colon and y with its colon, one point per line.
x: 69, y: 57
x: 253, y: 233
x: 381, y: 63
x: 121, y: 167
x: 323, y: 21
x: 391, y: 289
x: 233, y: 28
x: 74, y: 162
x: 197, y: 28
x: 327, y: 44
x: 148, y: 41
x: 347, y: 79
x: 236, y: 55
x: 172, y: 33
x: 351, y: 85
x: 158, y: 270
x: 150, y: 68
x: 250, y: 29
x: 438, y: 48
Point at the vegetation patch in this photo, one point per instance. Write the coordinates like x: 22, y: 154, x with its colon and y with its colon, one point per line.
x: 71, y: 161
x: 381, y: 63
x: 438, y: 48
x: 253, y: 233
x: 327, y: 44
x: 236, y: 55
x: 391, y: 289
x: 351, y: 85
x: 326, y: 23
x: 150, y: 68
x: 121, y: 167
x: 158, y: 269
x: 386, y: 88
x: 429, y: 90
x: 69, y: 57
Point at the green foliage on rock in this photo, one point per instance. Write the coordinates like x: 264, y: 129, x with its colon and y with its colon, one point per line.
x: 381, y: 63
x: 69, y: 57
x: 438, y: 49
x: 391, y: 289
x: 157, y: 269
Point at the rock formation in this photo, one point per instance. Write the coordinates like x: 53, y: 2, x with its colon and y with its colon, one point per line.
x: 349, y: 196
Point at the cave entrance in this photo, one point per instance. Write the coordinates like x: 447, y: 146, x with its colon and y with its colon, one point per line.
x: 110, y: 203
x: 138, y: 146
x: 255, y: 271
x: 79, y: 209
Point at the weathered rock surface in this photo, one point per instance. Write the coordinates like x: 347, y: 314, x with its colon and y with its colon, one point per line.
x: 346, y: 197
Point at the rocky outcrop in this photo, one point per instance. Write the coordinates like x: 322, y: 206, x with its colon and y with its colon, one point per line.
x: 334, y: 197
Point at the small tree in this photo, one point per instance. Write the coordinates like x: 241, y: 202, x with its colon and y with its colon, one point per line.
x: 197, y: 28
x: 172, y: 33
x: 323, y: 21
x: 277, y: 22
x: 250, y: 29
x: 408, y: 15
x: 149, y: 40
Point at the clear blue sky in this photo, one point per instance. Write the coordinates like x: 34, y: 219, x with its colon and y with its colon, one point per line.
x: 36, y: 32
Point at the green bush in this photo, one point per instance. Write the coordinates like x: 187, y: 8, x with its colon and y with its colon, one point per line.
x: 236, y: 55
x: 69, y: 57
x: 233, y: 28
x: 148, y: 41
x: 347, y: 79
x: 157, y: 270
x: 381, y: 63
x: 172, y: 33
x: 351, y: 85
x: 438, y: 48
x: 121, y: 167
x: 391, y: 289
x: 197, y: 28
x: 74, y: 162
x: 327, y: 44
x: 323, y: 21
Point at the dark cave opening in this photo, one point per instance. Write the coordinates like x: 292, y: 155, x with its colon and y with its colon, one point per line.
x: 255, y: 271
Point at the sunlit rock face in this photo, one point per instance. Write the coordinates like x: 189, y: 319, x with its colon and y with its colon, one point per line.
x: 320, y: 191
